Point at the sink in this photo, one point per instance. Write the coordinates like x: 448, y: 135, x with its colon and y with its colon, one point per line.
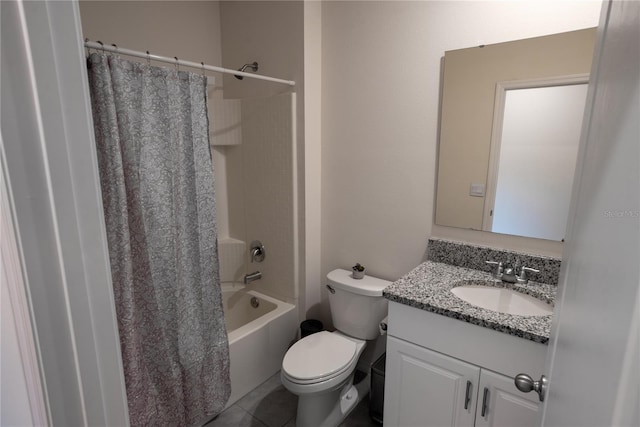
x: 502, y: 300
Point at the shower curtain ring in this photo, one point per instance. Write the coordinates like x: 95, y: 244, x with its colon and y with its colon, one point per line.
x: 117, y: 52
x: 177, y: 65
x: 101, y: 44
x: 148, y: 58
x: 202, y: 68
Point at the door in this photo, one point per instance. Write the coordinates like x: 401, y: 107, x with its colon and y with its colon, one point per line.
x: 593, y: 357
x: 500, y: 404
x: 426, y: 388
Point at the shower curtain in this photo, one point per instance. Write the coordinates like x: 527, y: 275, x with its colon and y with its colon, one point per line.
x: 156, y: 176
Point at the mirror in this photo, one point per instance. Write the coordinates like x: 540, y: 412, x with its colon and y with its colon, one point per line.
x: 503, y: 166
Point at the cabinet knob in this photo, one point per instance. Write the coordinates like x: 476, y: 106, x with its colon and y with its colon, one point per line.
x: 525, y: 384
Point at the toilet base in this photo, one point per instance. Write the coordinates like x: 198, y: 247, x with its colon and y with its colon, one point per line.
x: 331, y: 408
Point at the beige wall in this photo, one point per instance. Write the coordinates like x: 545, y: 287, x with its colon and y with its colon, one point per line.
x: 469, y: 84
x: 269, y: 32
x: 380, y: 94
x: 187, y: 29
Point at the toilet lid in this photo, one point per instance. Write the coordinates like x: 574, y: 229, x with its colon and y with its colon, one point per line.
x: 318, y: 355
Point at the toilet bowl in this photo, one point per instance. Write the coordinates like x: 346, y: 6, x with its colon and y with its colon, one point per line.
x: 320, y: 362
x: 320, y: 367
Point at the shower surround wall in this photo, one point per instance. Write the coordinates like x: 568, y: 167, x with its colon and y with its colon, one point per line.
x: 260, y: 188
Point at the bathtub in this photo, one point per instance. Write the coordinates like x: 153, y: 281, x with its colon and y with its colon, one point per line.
x: 258, y: 336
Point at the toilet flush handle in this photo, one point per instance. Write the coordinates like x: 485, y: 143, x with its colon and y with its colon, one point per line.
x: 333, y: 291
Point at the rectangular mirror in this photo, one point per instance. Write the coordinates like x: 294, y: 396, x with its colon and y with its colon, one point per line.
x: 511, y: 116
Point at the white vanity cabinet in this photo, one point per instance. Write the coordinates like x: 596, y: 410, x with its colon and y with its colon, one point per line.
x: 445, y: 372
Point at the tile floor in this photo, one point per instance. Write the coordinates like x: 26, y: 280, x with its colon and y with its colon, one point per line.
x: 271, y: 405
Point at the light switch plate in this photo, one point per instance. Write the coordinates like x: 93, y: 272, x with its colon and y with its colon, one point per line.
x: 476, y: 190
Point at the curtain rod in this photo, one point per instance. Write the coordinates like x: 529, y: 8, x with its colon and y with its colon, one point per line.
x: 180, y: 62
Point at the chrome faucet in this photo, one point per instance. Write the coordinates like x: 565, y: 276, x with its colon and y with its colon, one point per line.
x: 248, y: 278
x: 508, y: 274
x: 497, y: 273
x: 522, y: 277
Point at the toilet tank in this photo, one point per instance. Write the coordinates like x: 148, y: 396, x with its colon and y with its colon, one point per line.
x: 357, y: 305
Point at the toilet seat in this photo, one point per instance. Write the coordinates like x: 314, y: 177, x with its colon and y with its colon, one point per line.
x: 319, y: 357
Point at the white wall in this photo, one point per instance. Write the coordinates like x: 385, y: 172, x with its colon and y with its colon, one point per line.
x: 380, y: 94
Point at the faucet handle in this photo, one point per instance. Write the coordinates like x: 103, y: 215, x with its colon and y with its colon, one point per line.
x: 498, y: 271
x: 522, y: 277
x: 257, y: 251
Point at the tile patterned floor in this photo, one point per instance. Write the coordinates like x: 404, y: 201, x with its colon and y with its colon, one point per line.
x: 271, y: 405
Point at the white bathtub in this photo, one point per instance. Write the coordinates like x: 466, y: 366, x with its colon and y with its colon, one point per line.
x: 258, y: 337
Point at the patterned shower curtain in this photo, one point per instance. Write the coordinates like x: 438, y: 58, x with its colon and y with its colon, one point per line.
x: 156, y: 175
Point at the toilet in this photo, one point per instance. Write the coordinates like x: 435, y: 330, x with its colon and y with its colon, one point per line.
x: 320, y: 367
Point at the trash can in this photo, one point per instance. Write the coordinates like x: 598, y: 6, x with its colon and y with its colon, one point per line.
x: 310, y: 326
x: 376, y: 395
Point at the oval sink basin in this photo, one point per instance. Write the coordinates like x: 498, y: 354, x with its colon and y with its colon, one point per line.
x: 502, y: 300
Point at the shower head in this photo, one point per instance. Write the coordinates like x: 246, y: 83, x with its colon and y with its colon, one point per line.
x: 253, y: 66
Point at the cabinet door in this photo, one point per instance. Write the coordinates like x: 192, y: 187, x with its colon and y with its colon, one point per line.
x: 425, y: 388
x: 501, y: 404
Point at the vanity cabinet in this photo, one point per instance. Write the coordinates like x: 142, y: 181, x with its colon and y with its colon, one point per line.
x: 445, y: 372
x: 427, y: 388
x: 423, y: 387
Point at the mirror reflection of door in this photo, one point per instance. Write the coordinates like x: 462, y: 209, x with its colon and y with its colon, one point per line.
x: 533, y: 156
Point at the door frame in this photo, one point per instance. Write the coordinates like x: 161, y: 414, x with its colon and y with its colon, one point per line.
x: 496, y: 130
x: 52, y: 174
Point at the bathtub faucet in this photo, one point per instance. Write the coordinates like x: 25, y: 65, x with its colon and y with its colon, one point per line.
x: 248, y: 278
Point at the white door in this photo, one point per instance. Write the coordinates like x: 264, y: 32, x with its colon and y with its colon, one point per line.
x: 426, y: 388
x: 500, y: 404
x: 593, y: 357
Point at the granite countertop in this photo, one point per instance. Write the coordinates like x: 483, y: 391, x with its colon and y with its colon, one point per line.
x: 428, y: 286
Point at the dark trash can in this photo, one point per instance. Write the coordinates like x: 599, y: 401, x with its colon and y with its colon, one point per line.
x: 310, y: 326
x: 376, y: 395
